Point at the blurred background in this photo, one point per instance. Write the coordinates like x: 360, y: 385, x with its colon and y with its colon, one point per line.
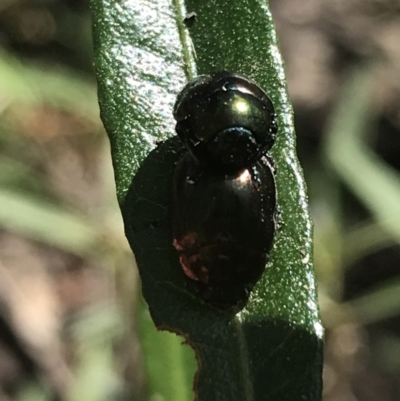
x: 68, y: 284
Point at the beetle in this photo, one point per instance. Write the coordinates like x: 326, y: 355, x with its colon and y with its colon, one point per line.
x: 224, y: 194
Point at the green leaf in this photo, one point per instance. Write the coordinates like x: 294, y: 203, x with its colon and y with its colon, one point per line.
x: 139, y: 67
x: 272, y: 349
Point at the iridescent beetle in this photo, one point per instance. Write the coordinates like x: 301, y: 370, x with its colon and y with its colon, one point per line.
x: 224, y: 195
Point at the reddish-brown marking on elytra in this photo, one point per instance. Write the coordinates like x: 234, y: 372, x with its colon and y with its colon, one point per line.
x: 176, y: 245
x: 193, y: 267
x: 186, y: 266
x: 190, y: 258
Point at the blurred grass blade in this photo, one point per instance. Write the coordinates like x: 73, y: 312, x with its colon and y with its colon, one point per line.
x: 378, y: 305
x: 272, y: 350
x: 46, y: 222
x: 31, y: 391
x: 30, y: 84
x: 95, y: 330
x: 364, y: 240
x: 375, y: 184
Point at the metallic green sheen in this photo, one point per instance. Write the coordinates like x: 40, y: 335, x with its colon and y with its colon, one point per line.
x: 225, y: 120
x: 221, y: 115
